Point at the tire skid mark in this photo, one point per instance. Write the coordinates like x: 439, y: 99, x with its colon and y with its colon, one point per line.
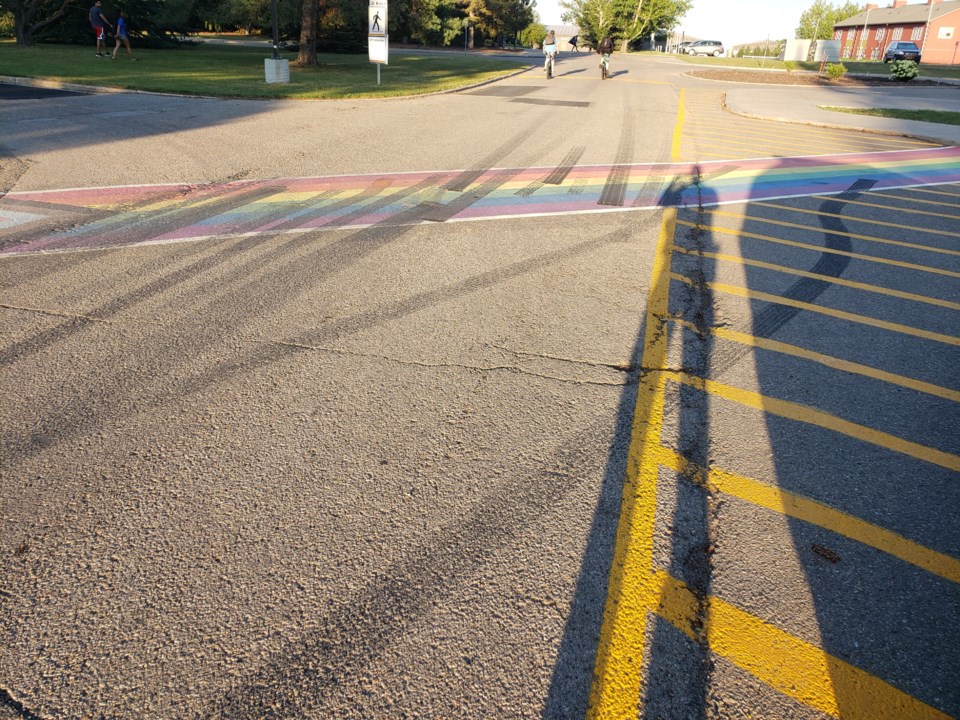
x: 146, y: 380
x: 120, y: 229
x: 579, y: 188
x: 615, y: 190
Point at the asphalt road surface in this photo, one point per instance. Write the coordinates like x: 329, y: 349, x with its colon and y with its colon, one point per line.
x: 544, y: 399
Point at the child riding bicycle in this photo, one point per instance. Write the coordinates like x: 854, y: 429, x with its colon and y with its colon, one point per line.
x: 605, y: 50
x: 550, y: 53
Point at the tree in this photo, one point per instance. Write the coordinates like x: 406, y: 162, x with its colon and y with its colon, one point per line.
x: 513, y: 15
x: 29, y: 16
x: 595, y: 18
x: 624, y: 20
x: 428, y: 22
x: 639, y: 18
x: 817, y: 21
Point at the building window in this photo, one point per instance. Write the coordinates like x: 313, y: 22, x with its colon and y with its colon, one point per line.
x: 917, y: 33
x: 898, y: 33
x: 879, y: 35
x: 837, y: 34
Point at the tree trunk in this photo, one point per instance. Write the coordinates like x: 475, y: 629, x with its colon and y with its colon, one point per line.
x: 636, y: 17
x: 21, y: 24
x: 24, y: 14
x: 308, y: 33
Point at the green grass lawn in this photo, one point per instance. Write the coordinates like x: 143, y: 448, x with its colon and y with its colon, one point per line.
x: 237, y: 71
x: 944, y: 117
x: 853, y: 66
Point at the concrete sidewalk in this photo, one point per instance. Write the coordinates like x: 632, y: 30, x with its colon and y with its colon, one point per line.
x: 803, y: 105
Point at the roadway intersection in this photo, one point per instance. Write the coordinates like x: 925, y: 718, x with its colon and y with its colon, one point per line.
x: 543, y: 399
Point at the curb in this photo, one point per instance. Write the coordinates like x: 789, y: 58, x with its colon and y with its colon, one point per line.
x: 96, y: 89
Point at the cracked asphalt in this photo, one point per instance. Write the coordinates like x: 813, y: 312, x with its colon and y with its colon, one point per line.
x: 378, y: 470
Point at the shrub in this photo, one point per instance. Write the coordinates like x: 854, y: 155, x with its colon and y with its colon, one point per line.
x: 904, y: 70
x: 835, y: 71
x: 790, y: 65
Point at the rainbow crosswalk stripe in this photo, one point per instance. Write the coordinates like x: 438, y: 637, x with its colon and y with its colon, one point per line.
x: 191, y: 212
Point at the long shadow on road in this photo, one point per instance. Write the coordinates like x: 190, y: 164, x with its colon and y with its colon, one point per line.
x: 697, y: 561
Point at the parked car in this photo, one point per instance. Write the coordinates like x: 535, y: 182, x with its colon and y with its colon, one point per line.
x: 682, y: 47
x: 706, y: 47
x: 902, y: 51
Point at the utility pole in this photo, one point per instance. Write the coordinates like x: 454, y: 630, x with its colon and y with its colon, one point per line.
x: 926, y: 29
x: 863, y: 35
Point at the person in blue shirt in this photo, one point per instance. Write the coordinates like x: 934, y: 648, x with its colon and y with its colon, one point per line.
x: 550, y: 52
x: 122, y: 36
x: 98, y: 21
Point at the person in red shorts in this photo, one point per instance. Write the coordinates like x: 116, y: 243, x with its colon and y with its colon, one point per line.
x: 98, y: 21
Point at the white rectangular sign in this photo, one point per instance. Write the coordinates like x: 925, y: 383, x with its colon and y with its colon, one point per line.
x: 378, y: 49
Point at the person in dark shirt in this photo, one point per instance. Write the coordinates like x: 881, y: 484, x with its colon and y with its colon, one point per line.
x: 605, y: 49
x: 98, y: 21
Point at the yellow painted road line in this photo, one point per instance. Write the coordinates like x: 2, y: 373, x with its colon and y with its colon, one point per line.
x: 675, y: 145
x: 852, y: 139
x: 821, y: 249
x: 738, y: 291
x: 940, y: 203
x: 722, y: 156
x: 821, y: 230
x: 815, y: 513
x: 843, y: 282
x: 619, y: 664
x: 934, y: 192
x: 793, y: 666
x: 762, y: 139
x: 618, y: 670
x: 811, y: 416
x: 849, y: 218
x: 829, y: 361
x: 848, y: 201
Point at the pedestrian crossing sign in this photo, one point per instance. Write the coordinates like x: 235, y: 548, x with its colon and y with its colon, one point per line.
x: 377, y: 17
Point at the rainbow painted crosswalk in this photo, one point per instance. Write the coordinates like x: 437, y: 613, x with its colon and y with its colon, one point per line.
x: 145, y: 214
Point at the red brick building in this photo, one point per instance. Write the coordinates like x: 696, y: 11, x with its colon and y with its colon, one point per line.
x: 933, y: 25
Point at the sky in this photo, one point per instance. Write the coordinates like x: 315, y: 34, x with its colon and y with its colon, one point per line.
x: 730, y: 21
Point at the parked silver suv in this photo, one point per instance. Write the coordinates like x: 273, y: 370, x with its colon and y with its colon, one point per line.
x: 706, y: 47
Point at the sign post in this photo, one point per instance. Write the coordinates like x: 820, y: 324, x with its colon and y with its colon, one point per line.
x: 377, y: 40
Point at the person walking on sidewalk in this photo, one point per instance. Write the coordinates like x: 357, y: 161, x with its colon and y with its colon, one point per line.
x: 122, y: 36
x: 99, y: 22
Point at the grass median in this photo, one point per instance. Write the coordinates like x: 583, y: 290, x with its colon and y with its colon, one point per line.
x: 238, y: 72
x: 944, y: 117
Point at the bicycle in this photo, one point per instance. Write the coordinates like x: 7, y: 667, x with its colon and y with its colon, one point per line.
x: 549, y: 64
x: 604, y: 66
